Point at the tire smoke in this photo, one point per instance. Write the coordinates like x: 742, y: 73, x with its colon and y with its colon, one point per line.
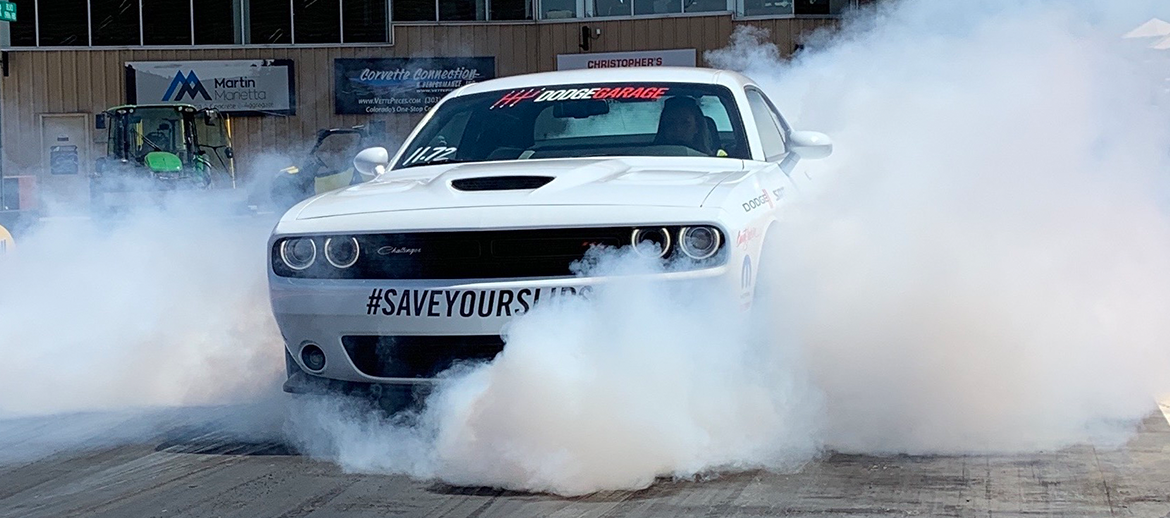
x: 640, y: 380
x: 119, y: 326
x: 158, y: 309
x: 981, y: 267
x: 985, y: 269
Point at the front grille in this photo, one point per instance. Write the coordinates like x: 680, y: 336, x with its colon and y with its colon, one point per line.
x: 500, y: 183
x: 463, y: 255
x: 417, y: 356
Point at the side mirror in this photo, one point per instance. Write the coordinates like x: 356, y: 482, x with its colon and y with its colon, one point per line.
x: 810, y: 144
x: 99, y: 121
x: 372, y: 161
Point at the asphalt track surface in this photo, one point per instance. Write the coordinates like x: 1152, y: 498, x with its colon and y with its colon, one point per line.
x: 206, y: 472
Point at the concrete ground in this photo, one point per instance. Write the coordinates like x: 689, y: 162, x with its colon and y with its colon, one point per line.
x: 208, y: 474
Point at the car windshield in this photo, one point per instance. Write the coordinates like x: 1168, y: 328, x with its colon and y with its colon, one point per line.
x: 586, y: 120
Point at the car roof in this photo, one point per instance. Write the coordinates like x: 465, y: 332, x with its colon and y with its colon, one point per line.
x: 610, y: 75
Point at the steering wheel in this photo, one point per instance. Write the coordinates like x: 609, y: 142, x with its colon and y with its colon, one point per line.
x: 687, y: 146
x: 321, y: 166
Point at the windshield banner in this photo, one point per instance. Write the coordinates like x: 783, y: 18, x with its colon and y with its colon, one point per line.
x: 240, y: 87
x: 540, y: 95
x: 402, y: 85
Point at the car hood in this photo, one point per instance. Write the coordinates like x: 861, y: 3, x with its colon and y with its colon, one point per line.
x: 643, y: 181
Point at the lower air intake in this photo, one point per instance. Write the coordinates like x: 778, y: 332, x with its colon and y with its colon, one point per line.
x: 417, y: 356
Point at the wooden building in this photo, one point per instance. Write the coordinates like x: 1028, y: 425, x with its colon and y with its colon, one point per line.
x: 49, y: 94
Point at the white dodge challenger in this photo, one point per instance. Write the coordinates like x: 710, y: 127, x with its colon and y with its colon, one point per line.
x: 500, y: 189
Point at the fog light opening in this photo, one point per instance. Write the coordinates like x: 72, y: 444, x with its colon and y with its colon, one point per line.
x: 313, y: 357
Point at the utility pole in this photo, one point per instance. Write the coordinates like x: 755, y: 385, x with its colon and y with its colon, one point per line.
x: 5, y: 45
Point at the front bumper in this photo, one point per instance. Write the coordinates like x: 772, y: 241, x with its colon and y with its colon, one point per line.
x: 401, y: 331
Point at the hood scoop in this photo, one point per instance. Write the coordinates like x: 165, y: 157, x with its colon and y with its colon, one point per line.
x: 501, y: 183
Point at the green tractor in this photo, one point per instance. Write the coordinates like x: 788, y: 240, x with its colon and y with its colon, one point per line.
x: 328, y: 164
x: 156, y: 149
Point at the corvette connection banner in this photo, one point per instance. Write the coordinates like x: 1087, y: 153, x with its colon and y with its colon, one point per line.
x: 402, y: 85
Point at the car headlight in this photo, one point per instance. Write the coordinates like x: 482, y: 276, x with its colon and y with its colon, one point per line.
x: 342, y: 252
x: 645, y: 239
x: 298, y: 253
x: 699, y: 242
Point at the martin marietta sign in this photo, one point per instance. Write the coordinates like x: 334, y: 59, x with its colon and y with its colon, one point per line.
x: 238, y: 86
x: 402, y: 85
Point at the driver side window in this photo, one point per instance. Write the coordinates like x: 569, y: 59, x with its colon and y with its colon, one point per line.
x: 771, y: 137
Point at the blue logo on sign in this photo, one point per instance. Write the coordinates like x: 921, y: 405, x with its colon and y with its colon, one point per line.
x: 745, y: 278
x: 189, y: 84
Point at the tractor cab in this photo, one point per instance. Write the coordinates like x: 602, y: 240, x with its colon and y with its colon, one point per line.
x: 164, y: 147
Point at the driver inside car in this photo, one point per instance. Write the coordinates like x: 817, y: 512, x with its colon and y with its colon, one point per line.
x: 682, y: 123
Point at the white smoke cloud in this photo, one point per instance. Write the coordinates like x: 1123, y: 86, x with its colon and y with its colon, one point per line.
x: 162, y: 308
x: 983, y: 270
x: 120, y: 324
x: 986, y: 268
x: 125, y: 325
x: 603, y: 393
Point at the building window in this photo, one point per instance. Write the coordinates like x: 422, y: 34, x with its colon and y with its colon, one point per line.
x: 767, y: 7
x: 24, y: 31
x: 613, y: 7
x: 114, y: 22
x: 317, y: 21
x: 706, y: 6
x: 218, y: 22
x: 365, y: 21
x: 795, y: 7
x: 414, y: 10
x: 462, y: 10
x: 557, y: 9
x: 166, y: 22
x: 657, y: 6
x: 66, y: 24
x: 511, y: 9
x: 812, y: 7
x: 269, y: 22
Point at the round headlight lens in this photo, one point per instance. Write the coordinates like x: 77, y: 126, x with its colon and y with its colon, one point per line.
x: 645, y: 239
x: 298, y: 253
x: 699, y: 242
x: 341, y: 252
